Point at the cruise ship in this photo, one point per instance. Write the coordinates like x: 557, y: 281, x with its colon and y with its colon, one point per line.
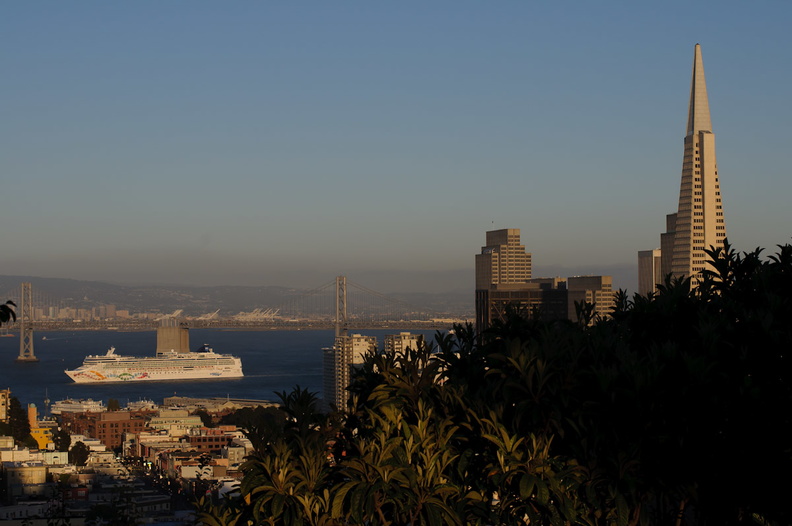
x: 167, y: 365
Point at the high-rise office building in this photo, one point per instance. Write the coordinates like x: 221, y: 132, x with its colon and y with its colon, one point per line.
x: 699, y: 220
x: 5, y: 404
x: 666, y: 248
x: 528, y: 298
x: 503, y: 260
x: 649, y: 270
x: 504, y: 282
x: 502, y: 266
x: 698, y: 223
x: 597, y: 290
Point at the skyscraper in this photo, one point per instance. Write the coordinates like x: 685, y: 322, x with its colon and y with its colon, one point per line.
x: 597, y: 290
x: 698, y: 223
x: 504, y: 282
x: 503, y: 261
x: 649, y: 270
x: 347, y: 353
x: 503, y: 264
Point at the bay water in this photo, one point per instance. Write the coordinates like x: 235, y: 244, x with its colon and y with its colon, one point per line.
x: 271, y: 361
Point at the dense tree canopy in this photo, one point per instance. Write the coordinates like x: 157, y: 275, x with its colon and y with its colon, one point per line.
x: 61, y: 438
x: 78, y: 454
x: 18, y: 422
x: 206, y: 418
x: 675, y: 410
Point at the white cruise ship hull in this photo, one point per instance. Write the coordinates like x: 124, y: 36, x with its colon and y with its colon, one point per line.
x: 112, y: 368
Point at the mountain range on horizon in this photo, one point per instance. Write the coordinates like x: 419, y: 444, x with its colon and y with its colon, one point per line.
x: 198, y: 300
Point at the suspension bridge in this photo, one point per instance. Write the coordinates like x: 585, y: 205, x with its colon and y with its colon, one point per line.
x: 362, y: 307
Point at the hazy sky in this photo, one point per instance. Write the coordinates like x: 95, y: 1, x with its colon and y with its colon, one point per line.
x: 284, y: 143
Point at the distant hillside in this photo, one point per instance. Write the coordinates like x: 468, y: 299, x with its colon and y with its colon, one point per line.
x: 194, y: 300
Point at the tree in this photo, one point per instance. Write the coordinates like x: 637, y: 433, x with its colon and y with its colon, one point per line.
x: 206, y: 418
x: 675, y: 410
x: 262, y: 425
x: 302, y: 411
x: 78, y: 455
x: 113, y: 404
x: 7, y: 312
x: 62, y: 439
x: 18, y: 420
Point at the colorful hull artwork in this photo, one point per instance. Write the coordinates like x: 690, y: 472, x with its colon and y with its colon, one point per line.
x: 112, y: 367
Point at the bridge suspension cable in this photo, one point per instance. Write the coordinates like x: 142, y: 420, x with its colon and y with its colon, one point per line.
x: 351, y: 302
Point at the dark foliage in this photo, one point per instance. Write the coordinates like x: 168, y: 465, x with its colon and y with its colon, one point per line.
x: 18, y: 420
x: 206, y: 418
x: 78, y: 454
x: 62, y: 439
x: 7, y: 312
x: 675, y: 410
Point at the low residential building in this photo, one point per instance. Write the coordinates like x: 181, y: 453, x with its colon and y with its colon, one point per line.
x: 20, y: 454
x: 177, y: 422
x: 25, y: 510
x: 212, y: 440
x: 40, y: 430
x: 150, y: 445
x: 214, y: 405
x: 93, y: 444
x: 110, y: 427
x: 55, y: 458
x: 235, y: 454
x: 25, y: 479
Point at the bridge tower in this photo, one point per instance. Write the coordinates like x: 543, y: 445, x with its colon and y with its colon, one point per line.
x: 26, y: 324
x: 337, y: 359
x: 341, y: 307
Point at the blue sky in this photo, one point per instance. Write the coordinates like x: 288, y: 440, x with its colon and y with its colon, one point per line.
x: 284, y: 143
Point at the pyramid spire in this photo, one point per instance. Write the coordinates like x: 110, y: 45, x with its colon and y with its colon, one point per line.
x: 698, y: 223
x: 698, y: 112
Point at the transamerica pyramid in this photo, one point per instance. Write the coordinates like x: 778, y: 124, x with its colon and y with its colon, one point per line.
x: 698, y: 223
x: 699, y: 220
